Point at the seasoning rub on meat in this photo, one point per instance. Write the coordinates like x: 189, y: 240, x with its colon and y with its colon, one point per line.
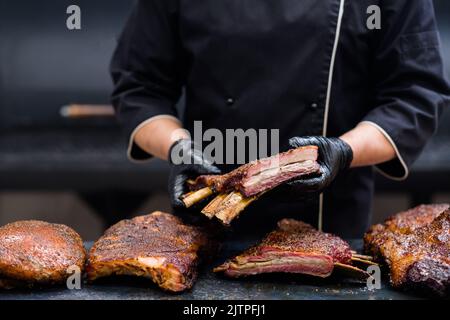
x: 295, y: 247
x: 415, y: 244
x: 156, y: 246
x: 240, y: 187
x: 38, y: 253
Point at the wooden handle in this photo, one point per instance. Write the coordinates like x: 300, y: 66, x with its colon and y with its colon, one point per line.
x: 74, y: 111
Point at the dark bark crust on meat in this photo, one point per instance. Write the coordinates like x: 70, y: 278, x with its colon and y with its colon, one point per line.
x: 157, y: 246
x: 415, y: 244
x: 235, y: 180
x: 239, y: 188
x: 305, y: 250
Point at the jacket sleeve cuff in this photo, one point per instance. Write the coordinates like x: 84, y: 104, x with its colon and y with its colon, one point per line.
x: 395, y: 169
x: 134, y: 152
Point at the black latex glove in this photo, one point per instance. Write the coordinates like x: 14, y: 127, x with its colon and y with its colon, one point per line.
x: 335, y: 156
x: 190, y: 169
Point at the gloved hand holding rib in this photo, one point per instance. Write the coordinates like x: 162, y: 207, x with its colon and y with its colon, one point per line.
x: 313, y: 163
x: 186, y: 162
x: 335, y: 156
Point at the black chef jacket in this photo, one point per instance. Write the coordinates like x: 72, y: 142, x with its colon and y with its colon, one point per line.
x: 309, y: 67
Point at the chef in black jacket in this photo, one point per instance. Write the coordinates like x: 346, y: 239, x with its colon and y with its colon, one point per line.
x: 312, y: 69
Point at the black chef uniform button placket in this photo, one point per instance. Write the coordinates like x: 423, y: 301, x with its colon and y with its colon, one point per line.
x: 230, y: 101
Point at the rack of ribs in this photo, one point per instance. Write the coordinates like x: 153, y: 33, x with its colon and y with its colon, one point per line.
x: 38, y: 253
x: 415, y: 244
x: 240, y: 187
x: 296, y: 247
x: 156, y: 246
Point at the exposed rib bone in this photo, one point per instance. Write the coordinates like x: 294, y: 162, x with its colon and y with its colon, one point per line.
x: 361, y: 256
x: 211, y: 209
x: 351, y: 270
x: 191, y: 198
x: 232, y: 206
x: 363, y: 261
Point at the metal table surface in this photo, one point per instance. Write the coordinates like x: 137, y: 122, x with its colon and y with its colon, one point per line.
x: 212, y: 286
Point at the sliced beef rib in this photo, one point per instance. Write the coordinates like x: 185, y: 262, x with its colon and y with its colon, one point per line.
x: 239, y: 188
x: 264, y: 174
x: 294, y: 247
